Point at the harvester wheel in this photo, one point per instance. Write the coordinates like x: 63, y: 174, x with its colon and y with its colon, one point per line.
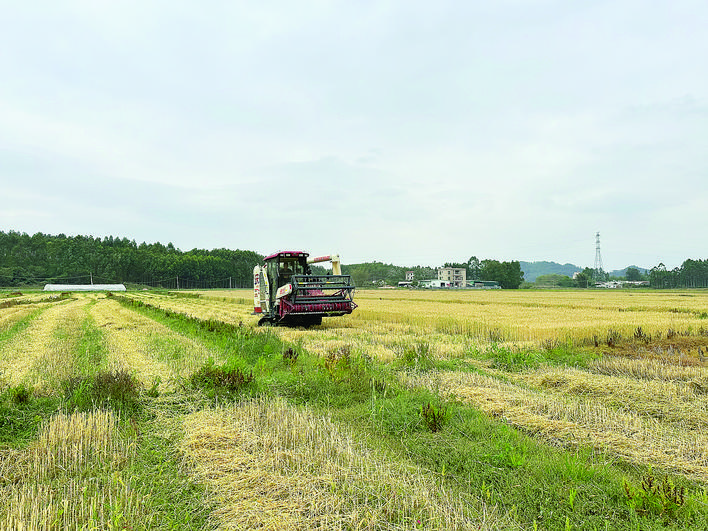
x: 265, y: 321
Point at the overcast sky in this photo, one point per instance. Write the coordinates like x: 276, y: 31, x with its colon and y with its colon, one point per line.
x: 404, y: 131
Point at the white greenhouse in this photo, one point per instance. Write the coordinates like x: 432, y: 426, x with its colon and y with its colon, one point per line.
x: 84, y: 287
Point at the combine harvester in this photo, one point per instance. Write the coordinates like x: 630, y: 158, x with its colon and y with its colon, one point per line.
x: 285, y: 292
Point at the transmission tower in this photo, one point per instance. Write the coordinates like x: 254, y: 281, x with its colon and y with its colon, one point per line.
x: 598, y: 273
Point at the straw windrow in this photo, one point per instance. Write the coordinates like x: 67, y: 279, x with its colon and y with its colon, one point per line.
x: 274, y: 466
x: 10, y: 316
x: 580, y: 421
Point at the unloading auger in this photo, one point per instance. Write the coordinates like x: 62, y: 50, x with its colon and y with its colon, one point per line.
x: 285, y: 292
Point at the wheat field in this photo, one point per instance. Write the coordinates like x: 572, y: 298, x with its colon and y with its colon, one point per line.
x: 640, y: 395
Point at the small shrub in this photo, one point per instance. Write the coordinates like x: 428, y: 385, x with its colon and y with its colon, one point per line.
x: 641, y: 335
x: 495, y: 335
x: 344, y: 373
x: 550, y: 344
x: 338, y: 364
x: 77, y: 393
x: 511, y: 456
x: 378, y: 386
x: 118, y: 386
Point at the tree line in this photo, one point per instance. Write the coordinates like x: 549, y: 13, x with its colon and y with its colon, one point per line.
x: 691, y: 274
x: 43, y: 258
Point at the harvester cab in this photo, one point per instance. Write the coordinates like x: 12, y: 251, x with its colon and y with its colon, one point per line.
x: 285, y: 292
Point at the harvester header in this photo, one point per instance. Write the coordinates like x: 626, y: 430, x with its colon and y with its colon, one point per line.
x: 285, y: 292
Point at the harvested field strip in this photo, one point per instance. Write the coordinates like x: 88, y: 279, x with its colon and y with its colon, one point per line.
x: 675, y: 403
x: 580, y: 421
x: 40, y: 351
x: 33, y: 298
x: 10, y: 316
x: 241, y: 298
x: 274, y: 466
x: 140, y: 344
x: 220, y: 310
x: 70, y: 478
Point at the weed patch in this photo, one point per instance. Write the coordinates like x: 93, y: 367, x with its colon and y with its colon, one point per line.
x: 418, y: 357
x: 510, y: 359
x: 20, y: 394
x: 290, y: 356
x: 118, y: 390
x: 21, y: 414
x: 659, y: 497
x: 406, y: 412
x: 338, y: 364
x: 434, y: 417
x: 220, y: 381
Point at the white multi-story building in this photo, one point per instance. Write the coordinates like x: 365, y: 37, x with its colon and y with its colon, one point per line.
x: 456, y: 276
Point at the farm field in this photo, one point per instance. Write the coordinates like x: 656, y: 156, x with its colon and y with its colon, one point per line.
x: 422, y: 409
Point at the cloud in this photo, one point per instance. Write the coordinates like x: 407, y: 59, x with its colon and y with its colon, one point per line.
x: 393, y: 131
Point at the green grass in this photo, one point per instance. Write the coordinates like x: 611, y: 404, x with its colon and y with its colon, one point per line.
x: 555, y: 353
x: 20, y: 421
x: 91, y: 351
x: 160, y: 473
x: 541, y: 485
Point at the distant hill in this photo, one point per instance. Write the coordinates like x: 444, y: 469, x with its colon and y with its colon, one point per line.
x: 623, y: 272
x: 532, y: 270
